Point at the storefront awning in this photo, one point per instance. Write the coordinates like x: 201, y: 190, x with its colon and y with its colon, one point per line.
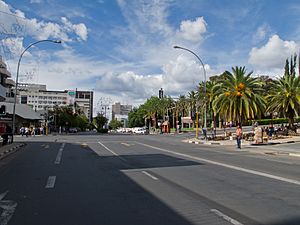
x: 22, y: 110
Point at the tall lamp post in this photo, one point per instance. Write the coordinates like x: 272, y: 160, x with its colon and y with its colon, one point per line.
x: 204, y: 127
x: 17, y: 78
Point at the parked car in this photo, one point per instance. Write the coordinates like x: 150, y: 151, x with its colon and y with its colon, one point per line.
x: 73, y: 130
x: 141, y: 130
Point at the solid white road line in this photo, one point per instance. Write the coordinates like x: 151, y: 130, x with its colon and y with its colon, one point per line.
x: 59, y: 154
x: 149, y: 175
x: 50, y: 182
x: 297, y: 182
x: 225, y: 217
x: 112, y: 152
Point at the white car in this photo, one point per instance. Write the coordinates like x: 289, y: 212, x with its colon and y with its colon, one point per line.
x: 140, y: 131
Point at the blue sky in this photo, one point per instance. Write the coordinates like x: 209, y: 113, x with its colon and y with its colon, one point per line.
x: 122, y: 49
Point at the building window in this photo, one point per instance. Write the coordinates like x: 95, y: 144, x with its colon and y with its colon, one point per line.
x: 23, y: 99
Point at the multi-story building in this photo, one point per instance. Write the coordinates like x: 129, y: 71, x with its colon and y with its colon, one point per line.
x: 120, y: 112
x: 40, y: 99
x: 24, y: 114
x: 84, y: 101
x: 118, y: 109
x: 5, y: 82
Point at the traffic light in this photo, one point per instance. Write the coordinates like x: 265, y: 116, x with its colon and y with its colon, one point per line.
x: 2, y: 110
x: 193, y: 115
x: 161, y: 93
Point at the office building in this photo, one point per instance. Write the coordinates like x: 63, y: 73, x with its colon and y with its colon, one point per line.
x: 119, y: 109
x: 84, y: 101
x: 41, y: 100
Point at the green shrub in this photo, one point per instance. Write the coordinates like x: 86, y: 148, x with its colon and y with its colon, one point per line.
x: 269, y: 121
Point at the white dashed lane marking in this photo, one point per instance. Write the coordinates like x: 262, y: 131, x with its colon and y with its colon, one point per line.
x: 50, y: 182
x: 59, y: 154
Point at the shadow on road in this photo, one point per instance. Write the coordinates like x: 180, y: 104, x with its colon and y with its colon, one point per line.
x: 89, y: 189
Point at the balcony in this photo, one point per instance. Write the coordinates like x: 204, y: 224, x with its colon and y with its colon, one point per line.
x: 3, y: 91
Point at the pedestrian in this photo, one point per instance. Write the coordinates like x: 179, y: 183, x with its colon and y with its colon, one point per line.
x: 239, y: 134
x: 26, y: 131
x: 22, y: 131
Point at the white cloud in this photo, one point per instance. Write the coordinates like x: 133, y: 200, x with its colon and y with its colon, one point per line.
x: 15, y: 22
x: 80, y: 29
x: 261, y: 33
x: 36, y: 1
x: 192, y: 30
x: 273, y: 54
x: 12, y: 46
x: 146, y: 43
x: 183, y: 74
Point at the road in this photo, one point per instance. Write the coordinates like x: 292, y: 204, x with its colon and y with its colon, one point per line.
x: 145, y: 179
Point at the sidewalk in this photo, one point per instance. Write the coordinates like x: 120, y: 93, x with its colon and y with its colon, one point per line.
x: 266, y: 148
x: 9, y: 149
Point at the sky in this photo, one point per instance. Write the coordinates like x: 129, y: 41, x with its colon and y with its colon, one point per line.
x: 123, y: 49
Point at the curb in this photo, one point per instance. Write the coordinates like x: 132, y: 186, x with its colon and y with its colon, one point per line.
x: 204, y: 143
x: 10, y: 151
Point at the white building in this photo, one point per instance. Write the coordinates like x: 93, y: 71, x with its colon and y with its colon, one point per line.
x: 37, y: 96
x: 40, y: 99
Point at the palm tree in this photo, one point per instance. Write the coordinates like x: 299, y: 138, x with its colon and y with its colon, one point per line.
x: 284, y: 97
x: 238, y: 96
x: 165, y: 104
x: 192, y: 99
x: 152, y: 107
x: 183, y: 105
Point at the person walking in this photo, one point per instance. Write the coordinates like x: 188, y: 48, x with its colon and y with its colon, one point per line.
x: 239, y: 134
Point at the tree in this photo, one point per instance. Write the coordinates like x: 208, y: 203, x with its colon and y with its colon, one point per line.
x: 115, y: 124
x: 64, y: 116
x: 100, y: 121
x: 210, y: 97
x: 136, y: 117
x: 284, y: 97
x: 192, y: 99
x: 238, y: 96
x: 151, y: 107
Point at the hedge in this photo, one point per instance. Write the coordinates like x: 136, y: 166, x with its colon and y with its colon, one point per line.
x: 269, y: 121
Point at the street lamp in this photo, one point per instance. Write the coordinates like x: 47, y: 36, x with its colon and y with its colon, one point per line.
x: 204, y: 127
x: 17, y: 78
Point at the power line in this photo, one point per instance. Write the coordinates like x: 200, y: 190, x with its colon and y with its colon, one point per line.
x: 11, y: 14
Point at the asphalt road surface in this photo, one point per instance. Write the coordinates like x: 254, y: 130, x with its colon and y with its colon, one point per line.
x: 145, y: 179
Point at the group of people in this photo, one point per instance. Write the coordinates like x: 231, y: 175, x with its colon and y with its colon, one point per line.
x: 259, y: 133
x: 32, y: 131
